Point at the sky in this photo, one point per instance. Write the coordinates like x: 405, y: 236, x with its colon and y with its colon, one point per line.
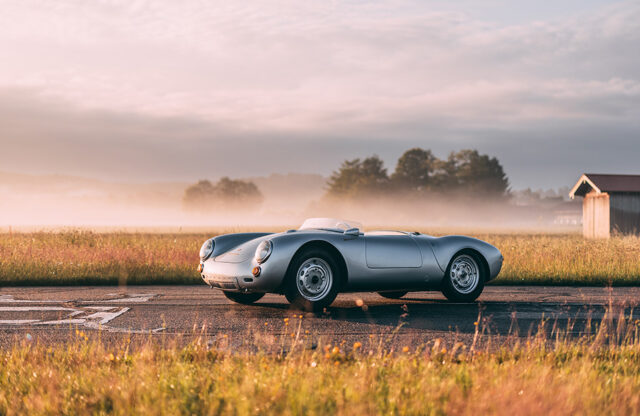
x: 144, y: 91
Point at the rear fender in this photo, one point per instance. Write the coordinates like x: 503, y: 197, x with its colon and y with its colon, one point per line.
x: 444, y: 248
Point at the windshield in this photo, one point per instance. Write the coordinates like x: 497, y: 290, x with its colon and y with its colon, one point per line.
x: 329, y: 223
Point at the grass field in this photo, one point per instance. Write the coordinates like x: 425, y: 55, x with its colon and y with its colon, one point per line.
x: 596, y: 374
x: 83, y: 257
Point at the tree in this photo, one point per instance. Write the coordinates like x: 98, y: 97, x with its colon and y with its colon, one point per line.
x: 199, y: 196
x: 358, y: 178
x: 414, y: 170
x: 476, y: 174
x: 225, y: 194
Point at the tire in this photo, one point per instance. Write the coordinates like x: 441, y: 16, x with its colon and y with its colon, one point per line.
x: 393, y: 295
x: 313, y: 280
x: 243, y: 298
x: 465, y: 276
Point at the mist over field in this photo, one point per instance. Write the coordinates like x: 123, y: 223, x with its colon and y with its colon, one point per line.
x: 52, y: 201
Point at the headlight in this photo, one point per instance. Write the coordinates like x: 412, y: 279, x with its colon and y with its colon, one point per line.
x: 263, y: 251
x: 206, y: 250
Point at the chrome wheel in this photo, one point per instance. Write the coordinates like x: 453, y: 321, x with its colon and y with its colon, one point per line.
x: 314, y: 279
x: 464, y: 274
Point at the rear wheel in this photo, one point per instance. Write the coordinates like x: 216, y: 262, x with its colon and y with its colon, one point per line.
x: 464, y: 278
x: 243, y: 298
x: 313, y: 280
x: 393, y: 295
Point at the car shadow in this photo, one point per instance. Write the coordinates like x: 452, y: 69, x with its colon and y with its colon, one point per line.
x: 495, y: 317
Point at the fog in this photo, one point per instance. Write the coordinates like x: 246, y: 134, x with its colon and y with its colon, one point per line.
x: 29, y: 202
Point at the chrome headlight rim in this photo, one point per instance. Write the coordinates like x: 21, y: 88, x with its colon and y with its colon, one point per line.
x: 206, y: 250
x: 263, y: 251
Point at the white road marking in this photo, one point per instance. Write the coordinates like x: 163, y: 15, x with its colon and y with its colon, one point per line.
x: 62, y: 322
x: 91, y: 316
x: 17, y: 321
x: 10, y: 299
x: 123, y: 298
x: 33, y: 308
x: 133, y: 298
x: 105, y: 317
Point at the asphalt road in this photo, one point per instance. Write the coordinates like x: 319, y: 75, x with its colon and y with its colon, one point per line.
x: 165, y: 313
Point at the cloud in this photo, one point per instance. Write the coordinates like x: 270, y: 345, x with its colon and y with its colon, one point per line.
x: 47, y: 136
x: 165, y: 80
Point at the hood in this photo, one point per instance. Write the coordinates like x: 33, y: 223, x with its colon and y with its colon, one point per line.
x: 243, y: 252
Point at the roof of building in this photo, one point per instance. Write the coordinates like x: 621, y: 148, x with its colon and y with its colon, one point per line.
x: 605, y: 183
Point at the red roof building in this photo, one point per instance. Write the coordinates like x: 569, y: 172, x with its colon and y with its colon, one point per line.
x: 611, y: 204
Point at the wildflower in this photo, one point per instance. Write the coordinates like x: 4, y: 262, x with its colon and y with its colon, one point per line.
x: 405, y: 349
x: 357, y: 345
x: 313, y: 364
x: 335, y: 350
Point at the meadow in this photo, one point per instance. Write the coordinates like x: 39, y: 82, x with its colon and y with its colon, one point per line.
x: 543, y: 374
x: 548, y: 372
x: 86, y: 257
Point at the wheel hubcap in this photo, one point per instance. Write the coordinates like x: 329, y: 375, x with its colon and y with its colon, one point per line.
x: 314, y: 279
x: 464, y: 274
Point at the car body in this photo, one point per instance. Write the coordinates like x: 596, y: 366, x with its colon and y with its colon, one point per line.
x: 382, y: 261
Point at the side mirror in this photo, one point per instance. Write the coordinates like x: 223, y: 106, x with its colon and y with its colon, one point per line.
x: 351, y: 233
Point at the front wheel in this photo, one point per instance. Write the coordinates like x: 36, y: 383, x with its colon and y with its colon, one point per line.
x: 464, y: 278
x: 243, y: 298
x: 313, y: 280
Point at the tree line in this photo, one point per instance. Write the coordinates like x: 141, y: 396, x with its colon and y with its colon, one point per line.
x: 223, y: 195
x: 417, y: 172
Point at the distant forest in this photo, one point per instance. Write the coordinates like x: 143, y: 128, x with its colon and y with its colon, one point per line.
x: 418, y: 173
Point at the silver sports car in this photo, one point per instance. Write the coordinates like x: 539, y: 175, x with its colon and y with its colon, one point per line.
x: 325, y: 256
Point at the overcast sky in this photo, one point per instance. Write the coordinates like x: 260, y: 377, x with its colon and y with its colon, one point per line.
x: 180, y: 90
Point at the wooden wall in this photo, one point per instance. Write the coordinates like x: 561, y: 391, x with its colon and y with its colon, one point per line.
x: 625, y: 213
x: 595, y: 215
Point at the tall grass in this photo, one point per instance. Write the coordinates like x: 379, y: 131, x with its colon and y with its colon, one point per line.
x: 567, y: 259
x: 84, y: 257
x: 594, y: 374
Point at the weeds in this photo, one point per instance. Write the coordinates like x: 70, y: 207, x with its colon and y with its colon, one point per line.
x: 542, y: 374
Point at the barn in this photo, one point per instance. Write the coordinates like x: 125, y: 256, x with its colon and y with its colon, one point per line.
x: 611, y: 204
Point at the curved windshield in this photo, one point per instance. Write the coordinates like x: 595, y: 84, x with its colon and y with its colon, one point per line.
x: 330, y: 224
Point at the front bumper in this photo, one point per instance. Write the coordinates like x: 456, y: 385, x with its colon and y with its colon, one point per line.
x: 238, y: 277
